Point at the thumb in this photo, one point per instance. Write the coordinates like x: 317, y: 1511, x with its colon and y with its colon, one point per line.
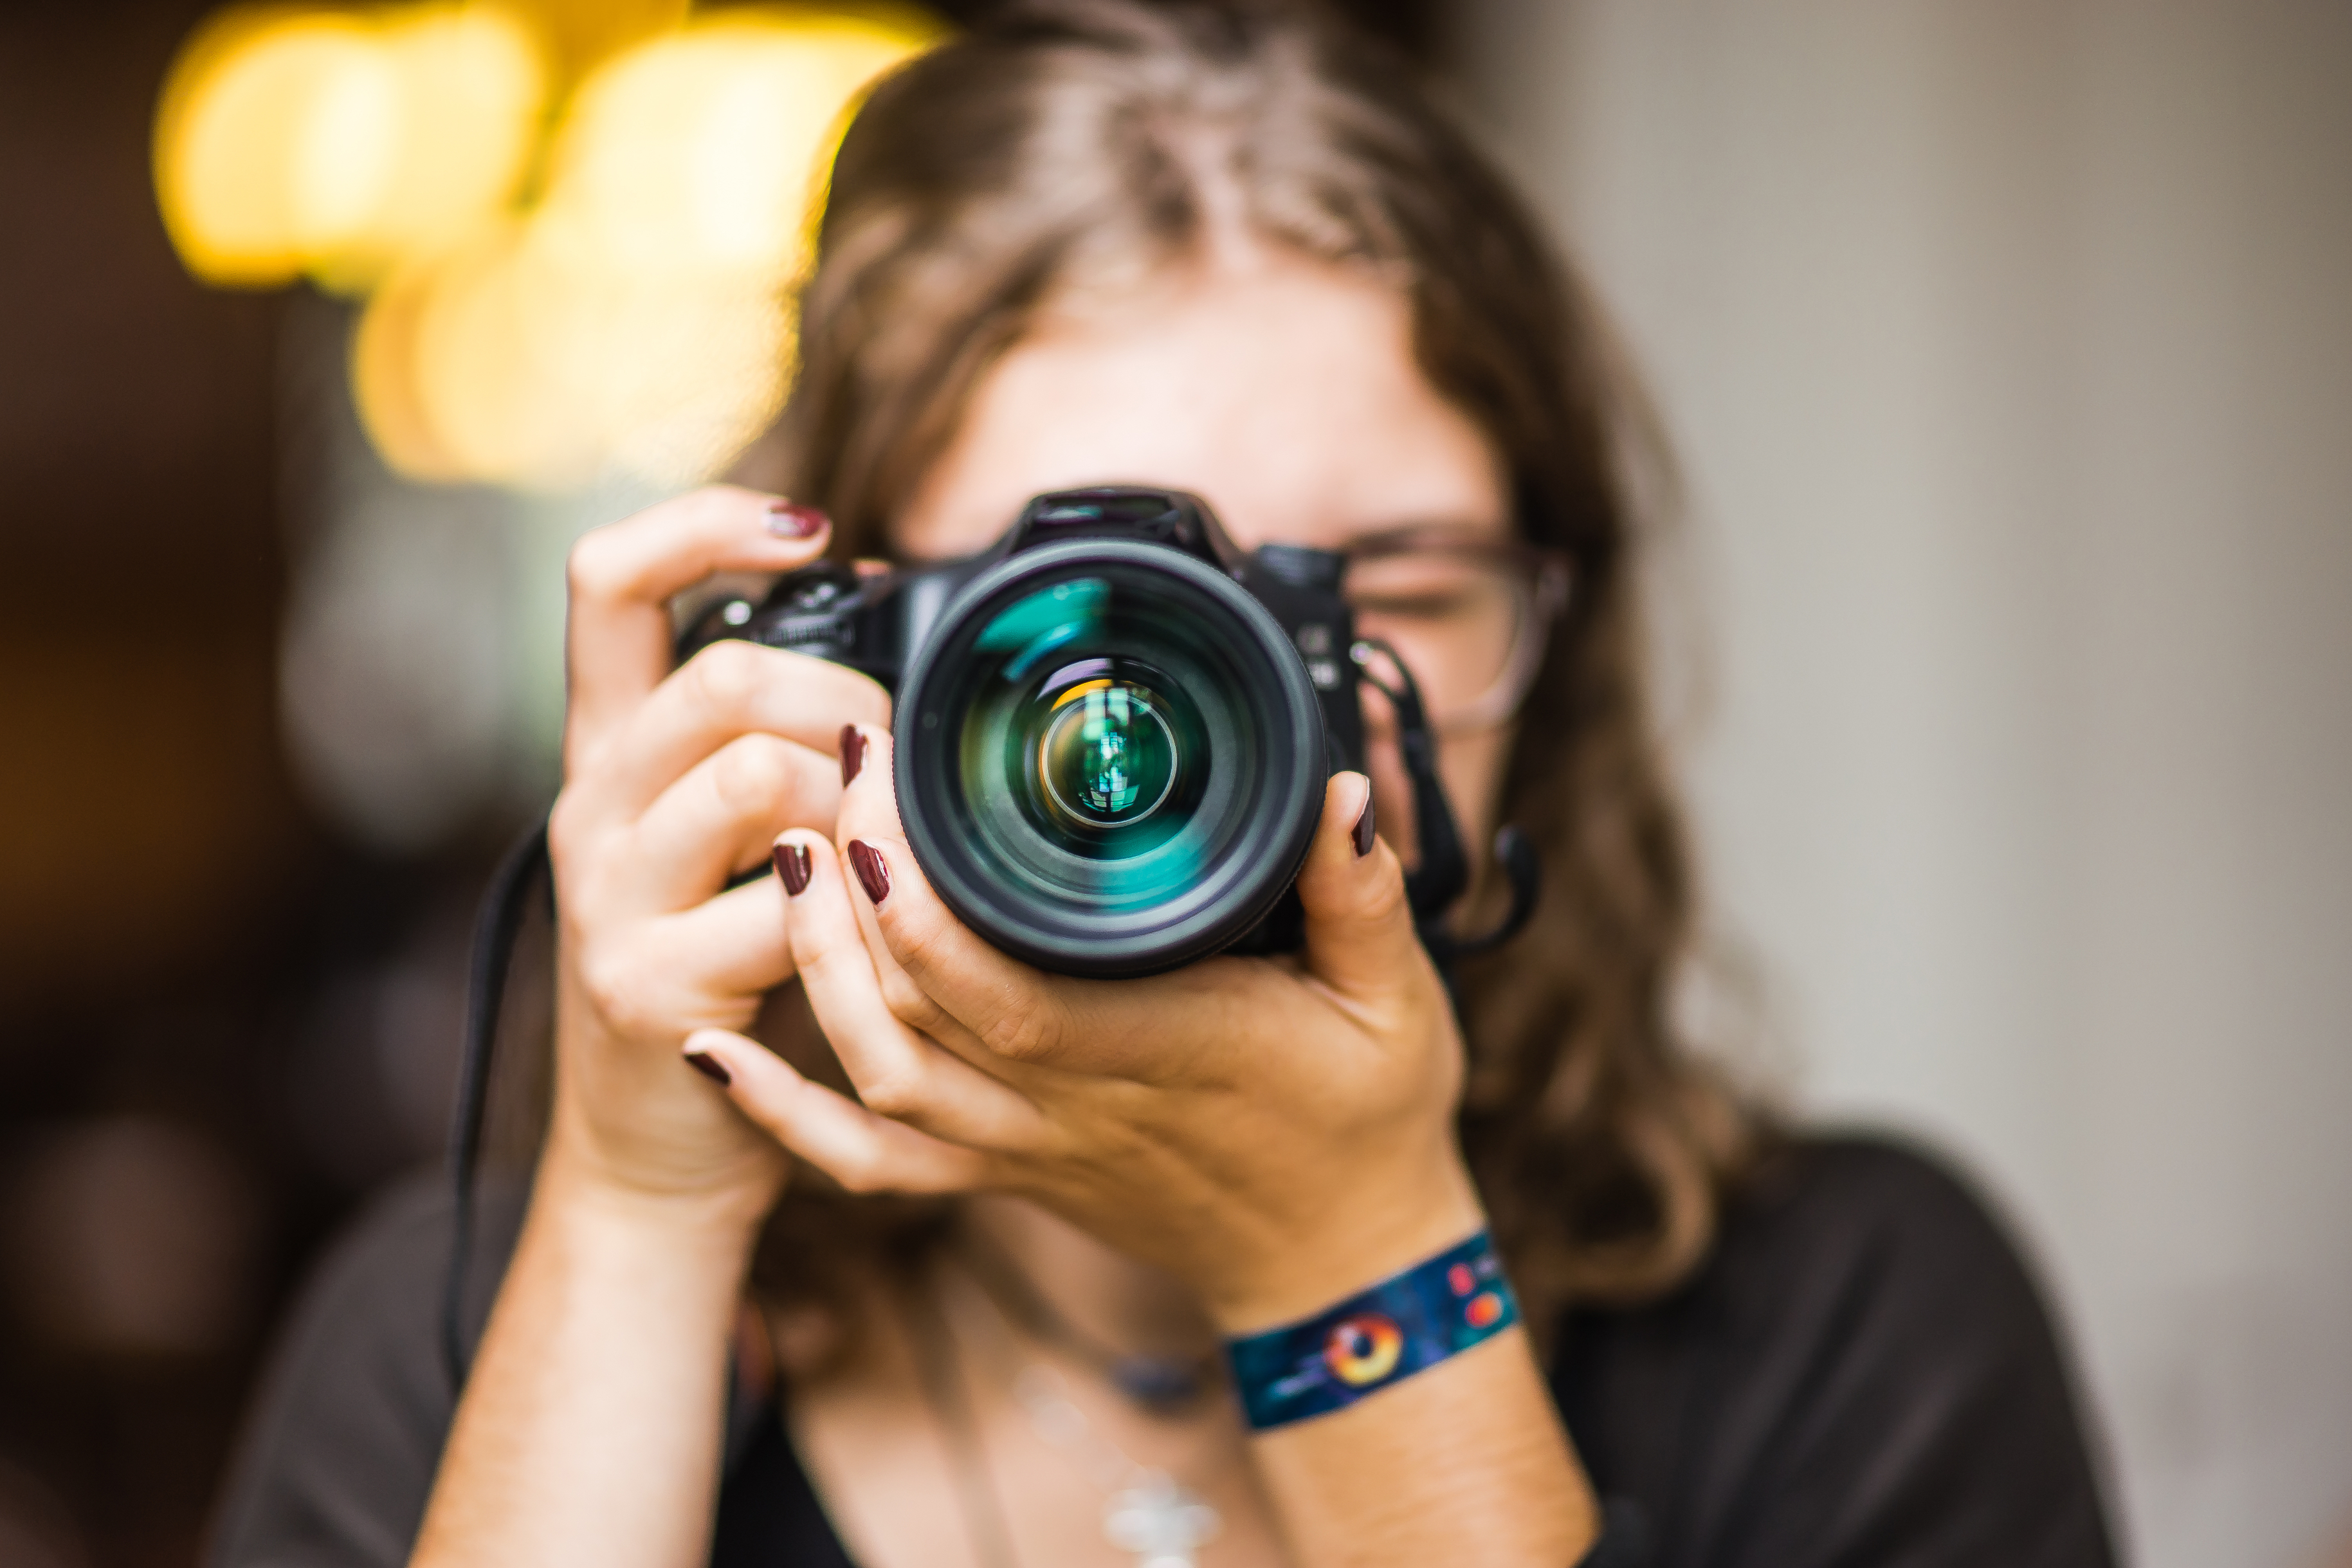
x: 1359, y: 935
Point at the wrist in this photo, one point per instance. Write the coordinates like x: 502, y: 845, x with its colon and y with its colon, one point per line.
x: 581, y: 1180
x: 1413, y: 1321
x: 1302, y: 1275
x: 631, y: 1125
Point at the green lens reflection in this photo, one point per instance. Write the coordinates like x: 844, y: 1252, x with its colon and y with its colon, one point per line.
x: 1033, y: 628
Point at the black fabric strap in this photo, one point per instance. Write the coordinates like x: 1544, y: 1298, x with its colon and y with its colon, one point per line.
x: 494, y: 928
x: 1625, y: 1539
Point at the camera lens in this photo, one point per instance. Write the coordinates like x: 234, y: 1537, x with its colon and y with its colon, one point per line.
x: 1110, y: 760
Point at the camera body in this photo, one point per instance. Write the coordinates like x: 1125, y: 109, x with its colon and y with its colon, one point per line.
x: 1112, y: 728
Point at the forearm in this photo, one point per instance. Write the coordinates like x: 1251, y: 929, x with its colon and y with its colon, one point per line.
x: 591, y: 1427
x: 1465, y: 1462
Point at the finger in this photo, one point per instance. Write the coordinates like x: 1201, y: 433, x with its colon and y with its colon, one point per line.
x: 709, y: 966
x: 877, y: 823
x: 1011, y: 1020
x: 735, y: 944
x: 1359, y: 938
x: 731, y: 687
x: 617, y: 641
x: 936, y: 969
x: 721, y: 818
x: 896, y: 1071
x: 862, y: 1151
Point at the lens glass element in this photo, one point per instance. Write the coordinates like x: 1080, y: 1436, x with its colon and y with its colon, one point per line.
x: 1108, y: 760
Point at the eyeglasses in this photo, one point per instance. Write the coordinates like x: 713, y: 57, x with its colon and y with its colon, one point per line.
x: 1469, y: 616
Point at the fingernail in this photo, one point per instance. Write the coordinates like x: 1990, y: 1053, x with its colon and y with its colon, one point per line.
x: 1364, y: 828
x: 872, y: 871
x: 709, y: 1066
x: 792, y: 868
x: 853, y: 753
x: 790, y: 520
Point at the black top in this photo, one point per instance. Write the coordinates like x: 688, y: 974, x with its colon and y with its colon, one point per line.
x: 1861, y: 1377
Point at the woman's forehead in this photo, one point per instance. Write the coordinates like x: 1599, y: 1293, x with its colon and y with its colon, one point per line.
x: 1281, y: 389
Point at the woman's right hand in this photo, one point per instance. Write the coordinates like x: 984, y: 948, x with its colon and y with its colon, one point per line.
x: 674, y: 780
x: 589, y: 1430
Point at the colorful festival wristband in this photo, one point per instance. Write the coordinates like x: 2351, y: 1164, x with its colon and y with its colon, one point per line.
x: 1406, y: 1324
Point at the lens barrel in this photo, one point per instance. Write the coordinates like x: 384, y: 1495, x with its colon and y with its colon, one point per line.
x: 1110, y: 758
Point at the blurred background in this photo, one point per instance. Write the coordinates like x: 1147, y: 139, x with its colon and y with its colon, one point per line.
x: 2009, y: 347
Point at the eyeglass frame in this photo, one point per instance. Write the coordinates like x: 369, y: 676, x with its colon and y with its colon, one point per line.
x: 1542, y: 572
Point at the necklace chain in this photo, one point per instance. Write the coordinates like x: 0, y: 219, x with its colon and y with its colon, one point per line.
x: 1162, y: 1385
x: 1148, y: 1513
x: 1146, y: 1510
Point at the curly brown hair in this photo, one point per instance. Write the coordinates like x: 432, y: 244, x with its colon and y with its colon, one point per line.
x: 1068, y: 139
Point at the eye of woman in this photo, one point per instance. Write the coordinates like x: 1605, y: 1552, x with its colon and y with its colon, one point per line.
x: 1467, y: 613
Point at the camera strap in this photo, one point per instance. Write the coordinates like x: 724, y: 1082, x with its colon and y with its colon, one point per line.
x: 1442, y: 875
x: 495, y: 930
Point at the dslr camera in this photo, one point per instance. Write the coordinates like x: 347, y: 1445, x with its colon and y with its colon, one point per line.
x: 1112, y: 728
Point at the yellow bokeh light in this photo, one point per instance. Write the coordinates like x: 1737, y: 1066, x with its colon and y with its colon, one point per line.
x: 509, y: 362
x: 635, y: 322
x: 332, y: 142
x: 578, y: 33
x: 699, y: 148
x: 500, y: 346
x: 242, y: 103
x: 468, y: 91
x: 634, y: 319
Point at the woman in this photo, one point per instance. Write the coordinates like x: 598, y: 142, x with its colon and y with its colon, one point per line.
x: 972, y: 1232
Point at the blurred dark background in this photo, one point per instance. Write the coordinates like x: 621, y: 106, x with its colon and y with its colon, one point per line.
x: 2008, y: 346
x: 164, y: 905
x: 194, y: 966
x: 169, y: 914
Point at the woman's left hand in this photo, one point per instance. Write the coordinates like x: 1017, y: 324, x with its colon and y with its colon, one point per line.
x: 1274, y: 1133
x: 1277, y: 1133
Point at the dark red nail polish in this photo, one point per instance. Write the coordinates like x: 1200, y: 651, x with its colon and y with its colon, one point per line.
x: 790, y: 520
x: 872, y: 871
x: 792, y: 868
x: 709, y: 1066
x: 853, y: 753
x: 1363, y: 829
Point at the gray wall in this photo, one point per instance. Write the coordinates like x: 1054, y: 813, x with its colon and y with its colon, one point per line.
x: 2010, y: 349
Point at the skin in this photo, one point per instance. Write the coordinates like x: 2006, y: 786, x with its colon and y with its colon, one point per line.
x: 1200, y: 1153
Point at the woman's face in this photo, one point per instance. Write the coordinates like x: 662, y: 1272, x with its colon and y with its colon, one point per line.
x: 1281, y: 390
